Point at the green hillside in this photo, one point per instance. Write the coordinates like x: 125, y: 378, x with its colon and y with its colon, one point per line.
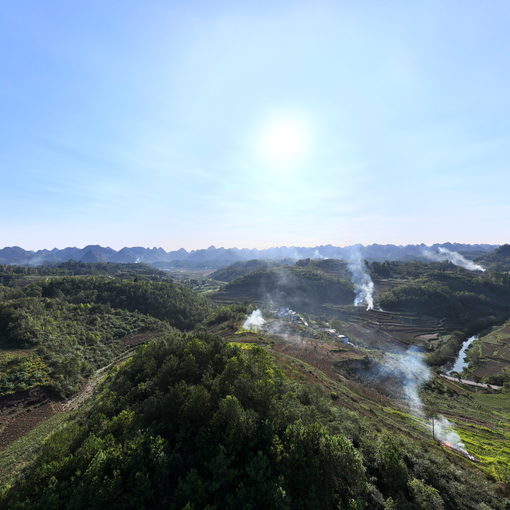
x: 55, y: 332
x: 301, y: 288
x: 55, y: 344
x: 497, y: 260
x: 229, y: 273
x: 466, y: 299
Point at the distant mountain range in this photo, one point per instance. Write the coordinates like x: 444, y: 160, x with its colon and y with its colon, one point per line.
x: 215, y: 258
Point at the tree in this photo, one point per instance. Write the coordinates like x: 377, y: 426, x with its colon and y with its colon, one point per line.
x: 425, y: 496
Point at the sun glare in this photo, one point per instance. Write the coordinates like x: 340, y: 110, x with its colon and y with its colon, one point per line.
x: 284, y: 141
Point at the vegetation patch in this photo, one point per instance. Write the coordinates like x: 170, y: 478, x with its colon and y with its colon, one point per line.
x: 192, y: 422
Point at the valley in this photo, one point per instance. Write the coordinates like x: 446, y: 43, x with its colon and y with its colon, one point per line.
x: 363, y: 373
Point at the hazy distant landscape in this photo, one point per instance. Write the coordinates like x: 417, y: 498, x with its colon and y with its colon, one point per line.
x: 213, y: 257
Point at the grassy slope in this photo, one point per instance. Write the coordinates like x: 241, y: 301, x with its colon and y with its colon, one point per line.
x: 482, y: 419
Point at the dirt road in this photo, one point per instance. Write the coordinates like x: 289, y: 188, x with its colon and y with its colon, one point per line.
x: 472, y: 383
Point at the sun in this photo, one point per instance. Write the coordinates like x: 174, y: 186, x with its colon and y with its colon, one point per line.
x: 284, y: 140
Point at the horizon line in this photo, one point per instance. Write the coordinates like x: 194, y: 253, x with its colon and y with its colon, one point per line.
x: 329, y: 245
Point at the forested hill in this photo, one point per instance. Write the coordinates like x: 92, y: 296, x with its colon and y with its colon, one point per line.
x: 498, y: 260
x: 12, y: 274
x: 177, y: 304
x: 464, y: 298
x: 234, y: 271
x: 55, y: 332
x: 330, y: 267
x: 302, y: 288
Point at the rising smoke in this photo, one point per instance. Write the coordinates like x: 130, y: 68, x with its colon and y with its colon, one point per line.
x: 254, y: 321
x: 413, y: 372
x: 443, y: 254
x: 445, y: 432
x: 317, y: 255
x: 363, y: 284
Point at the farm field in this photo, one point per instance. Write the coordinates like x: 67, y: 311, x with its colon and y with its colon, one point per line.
x: 490, y: 355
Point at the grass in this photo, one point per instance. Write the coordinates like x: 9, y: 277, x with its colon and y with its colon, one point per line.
x: 243, y: 345
x: 496, y: 401
x: 23, y: 451
x: 481, y: 419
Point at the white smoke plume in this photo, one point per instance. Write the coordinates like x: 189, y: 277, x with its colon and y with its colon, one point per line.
x: 414, y: 372
x: 363, y: 284
x: 254, y: 321
x: 444, y: 431
x: 453, y: 257
x: 317, y: 255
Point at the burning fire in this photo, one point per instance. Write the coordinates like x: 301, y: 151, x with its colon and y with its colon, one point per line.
x: 462, y: 451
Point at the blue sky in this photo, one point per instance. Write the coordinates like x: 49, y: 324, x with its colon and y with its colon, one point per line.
x: 253, y: 124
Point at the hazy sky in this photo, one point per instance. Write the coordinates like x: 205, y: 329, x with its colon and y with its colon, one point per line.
x: 253, y: 124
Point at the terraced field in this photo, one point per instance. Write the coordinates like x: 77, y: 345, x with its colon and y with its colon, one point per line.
x: 390, y: 327
x: 490, y: 354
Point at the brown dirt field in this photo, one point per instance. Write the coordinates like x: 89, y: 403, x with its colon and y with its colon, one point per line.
x: 138, y: 338
x: 377, y: 327
x: 434, y: 336
x: 21, y: 411
x: 18, y: 424
x: 490, y: 367
x: 314, y: 353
